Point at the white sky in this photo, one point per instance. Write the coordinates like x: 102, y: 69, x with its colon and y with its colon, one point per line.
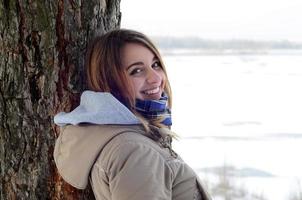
x: 216, y: 19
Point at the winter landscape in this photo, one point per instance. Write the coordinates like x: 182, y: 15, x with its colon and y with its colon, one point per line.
x: 238, y: 114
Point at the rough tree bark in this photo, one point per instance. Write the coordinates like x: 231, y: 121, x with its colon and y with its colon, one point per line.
x: 42, y: 47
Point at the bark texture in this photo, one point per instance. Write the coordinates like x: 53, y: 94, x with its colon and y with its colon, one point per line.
x: 42, y: 48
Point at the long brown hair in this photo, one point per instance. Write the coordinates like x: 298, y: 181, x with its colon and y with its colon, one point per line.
x: 104, y: 65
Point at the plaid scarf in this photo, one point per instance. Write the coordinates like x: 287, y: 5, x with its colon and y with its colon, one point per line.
x: 153, y: 109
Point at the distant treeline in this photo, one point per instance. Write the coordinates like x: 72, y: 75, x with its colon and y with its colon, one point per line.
x: 236, y: 44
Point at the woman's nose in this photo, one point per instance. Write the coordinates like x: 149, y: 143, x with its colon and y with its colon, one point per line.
x: 153, y: 76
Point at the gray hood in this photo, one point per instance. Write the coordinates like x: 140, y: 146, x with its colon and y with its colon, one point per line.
x: 78, y: 146
x: 97, y: 108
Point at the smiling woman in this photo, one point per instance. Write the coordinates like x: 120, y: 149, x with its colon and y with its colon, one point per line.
x: 119, y: 136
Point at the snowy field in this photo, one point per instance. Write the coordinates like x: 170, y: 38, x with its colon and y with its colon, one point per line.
x: 240, y: 113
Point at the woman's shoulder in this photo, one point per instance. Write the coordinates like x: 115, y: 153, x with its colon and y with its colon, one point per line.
x: 111, y: 138
x: 133, y: 137
x: 132, y: 141
x: 81, y: 145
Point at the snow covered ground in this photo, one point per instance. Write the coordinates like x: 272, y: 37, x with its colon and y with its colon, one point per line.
x: 243, y: 111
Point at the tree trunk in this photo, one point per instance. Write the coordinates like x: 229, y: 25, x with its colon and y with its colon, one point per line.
x: 42, y: 49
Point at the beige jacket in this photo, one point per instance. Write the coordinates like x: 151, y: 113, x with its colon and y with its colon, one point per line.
x: 119, y: 160
x: 122, y: 163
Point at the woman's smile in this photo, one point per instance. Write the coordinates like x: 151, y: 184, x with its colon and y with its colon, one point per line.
x: 152, y: 91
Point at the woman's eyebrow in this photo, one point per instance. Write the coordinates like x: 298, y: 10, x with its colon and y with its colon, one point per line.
x: 140, y: 63
x: 136, y: 63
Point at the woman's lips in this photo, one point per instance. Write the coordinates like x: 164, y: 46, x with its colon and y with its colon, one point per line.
x: 151, y: 91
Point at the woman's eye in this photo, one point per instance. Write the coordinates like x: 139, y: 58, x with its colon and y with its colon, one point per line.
x: 156, y: 65
x: 135, y: 71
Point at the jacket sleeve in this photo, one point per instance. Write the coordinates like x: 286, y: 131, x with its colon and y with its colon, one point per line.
x: 137, y: 171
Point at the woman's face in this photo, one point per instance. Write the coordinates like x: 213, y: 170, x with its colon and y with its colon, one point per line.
x: 144, y: 71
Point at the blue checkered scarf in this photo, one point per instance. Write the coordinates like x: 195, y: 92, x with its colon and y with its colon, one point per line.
x: 153, y: 109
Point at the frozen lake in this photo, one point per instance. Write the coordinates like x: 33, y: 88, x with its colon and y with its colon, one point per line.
x: 242, y: 111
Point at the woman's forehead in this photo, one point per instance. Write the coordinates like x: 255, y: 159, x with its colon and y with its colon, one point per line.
x: 133, y: 52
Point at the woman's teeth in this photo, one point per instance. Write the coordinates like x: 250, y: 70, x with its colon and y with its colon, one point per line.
x: 153, y: 91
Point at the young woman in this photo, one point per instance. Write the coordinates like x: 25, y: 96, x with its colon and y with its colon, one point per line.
x: 119, y: 137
